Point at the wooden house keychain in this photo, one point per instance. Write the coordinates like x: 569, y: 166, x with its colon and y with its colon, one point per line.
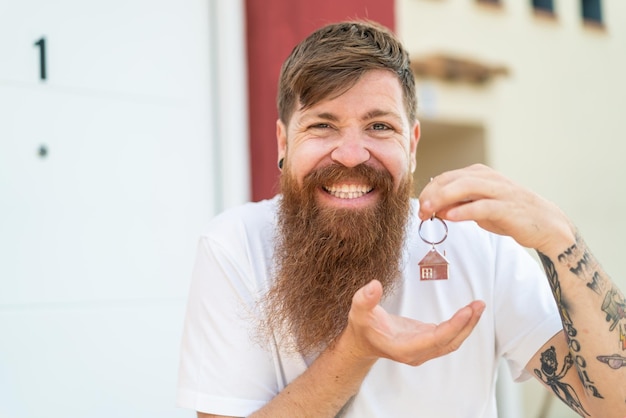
x: 434, y: 265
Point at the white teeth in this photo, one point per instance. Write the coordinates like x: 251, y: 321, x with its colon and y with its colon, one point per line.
x: 345, y: 191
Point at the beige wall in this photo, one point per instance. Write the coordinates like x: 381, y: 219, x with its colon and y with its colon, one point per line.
x: 555, y: 123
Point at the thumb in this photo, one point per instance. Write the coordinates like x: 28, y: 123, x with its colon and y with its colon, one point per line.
x: 367, y: 297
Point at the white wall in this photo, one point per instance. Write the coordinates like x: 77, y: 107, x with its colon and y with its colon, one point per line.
x: 97, y: 238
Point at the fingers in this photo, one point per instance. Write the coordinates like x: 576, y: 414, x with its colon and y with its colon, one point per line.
x: 447, y: 336
x: 459, y: 187
x: 488, y: 213
x: 451, y: 333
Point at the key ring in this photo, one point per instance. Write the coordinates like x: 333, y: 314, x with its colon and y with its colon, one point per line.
x: 432, y: 218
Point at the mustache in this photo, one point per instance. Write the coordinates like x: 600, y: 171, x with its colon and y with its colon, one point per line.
x: 325, y: 176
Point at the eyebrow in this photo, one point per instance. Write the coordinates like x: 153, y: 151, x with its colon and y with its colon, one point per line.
x: 377, y: 113
x: 327, y: 116
x: 372, y: 114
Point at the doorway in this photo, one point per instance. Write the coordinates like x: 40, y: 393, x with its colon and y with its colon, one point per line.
x: 447, y: 145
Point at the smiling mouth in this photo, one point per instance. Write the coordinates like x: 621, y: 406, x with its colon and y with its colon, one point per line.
x: 348, y: 191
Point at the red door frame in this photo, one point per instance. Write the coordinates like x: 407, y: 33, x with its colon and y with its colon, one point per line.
x: 273, y: 28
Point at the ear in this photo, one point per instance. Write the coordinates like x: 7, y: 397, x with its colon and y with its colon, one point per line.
x: 281, y: 139
x: 415, y: 137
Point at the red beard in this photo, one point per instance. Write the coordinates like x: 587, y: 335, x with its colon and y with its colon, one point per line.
x: 324, y: 255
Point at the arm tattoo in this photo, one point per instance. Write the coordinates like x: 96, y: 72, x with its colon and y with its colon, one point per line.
x: 614, y: 307
x: 581, y: 262
x: 573, y: 356
x: 550, y: 376
x: 614, y: 361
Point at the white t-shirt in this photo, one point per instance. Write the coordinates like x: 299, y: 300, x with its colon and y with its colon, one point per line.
x: 226, y: 370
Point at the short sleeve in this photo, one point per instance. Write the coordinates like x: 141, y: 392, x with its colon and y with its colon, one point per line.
x: 220, y: 371
x: 527, y: 315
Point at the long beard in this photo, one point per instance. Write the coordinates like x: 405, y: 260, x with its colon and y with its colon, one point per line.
x: 324, y: 255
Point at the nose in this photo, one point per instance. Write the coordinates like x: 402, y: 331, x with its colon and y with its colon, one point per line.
x: 350, y: 151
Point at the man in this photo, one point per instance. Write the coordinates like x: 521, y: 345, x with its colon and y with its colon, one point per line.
x: 312, y: 305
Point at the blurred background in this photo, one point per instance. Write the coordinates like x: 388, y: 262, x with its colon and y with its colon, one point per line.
x: 126, y: 125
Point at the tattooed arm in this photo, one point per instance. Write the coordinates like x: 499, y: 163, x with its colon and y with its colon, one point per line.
x: 585, y: 364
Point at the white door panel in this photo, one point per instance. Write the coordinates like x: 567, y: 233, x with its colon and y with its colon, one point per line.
x: 135, y: 47
x: 106, y: 179
x: 109, y: 209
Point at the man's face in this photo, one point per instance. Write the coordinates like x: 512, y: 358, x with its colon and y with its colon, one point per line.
x: 365, y: 125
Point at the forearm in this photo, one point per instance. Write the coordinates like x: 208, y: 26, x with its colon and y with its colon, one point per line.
x: 324, y: 388
x: 592, y: 309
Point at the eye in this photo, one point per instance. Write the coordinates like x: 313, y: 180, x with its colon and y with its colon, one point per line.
x: 380, y: 127
x: 320, y: 126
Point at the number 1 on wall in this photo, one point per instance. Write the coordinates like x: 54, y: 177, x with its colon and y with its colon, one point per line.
x: 41, y: 43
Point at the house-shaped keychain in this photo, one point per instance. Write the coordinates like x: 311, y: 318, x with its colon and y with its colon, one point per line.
x: 433, y: 266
